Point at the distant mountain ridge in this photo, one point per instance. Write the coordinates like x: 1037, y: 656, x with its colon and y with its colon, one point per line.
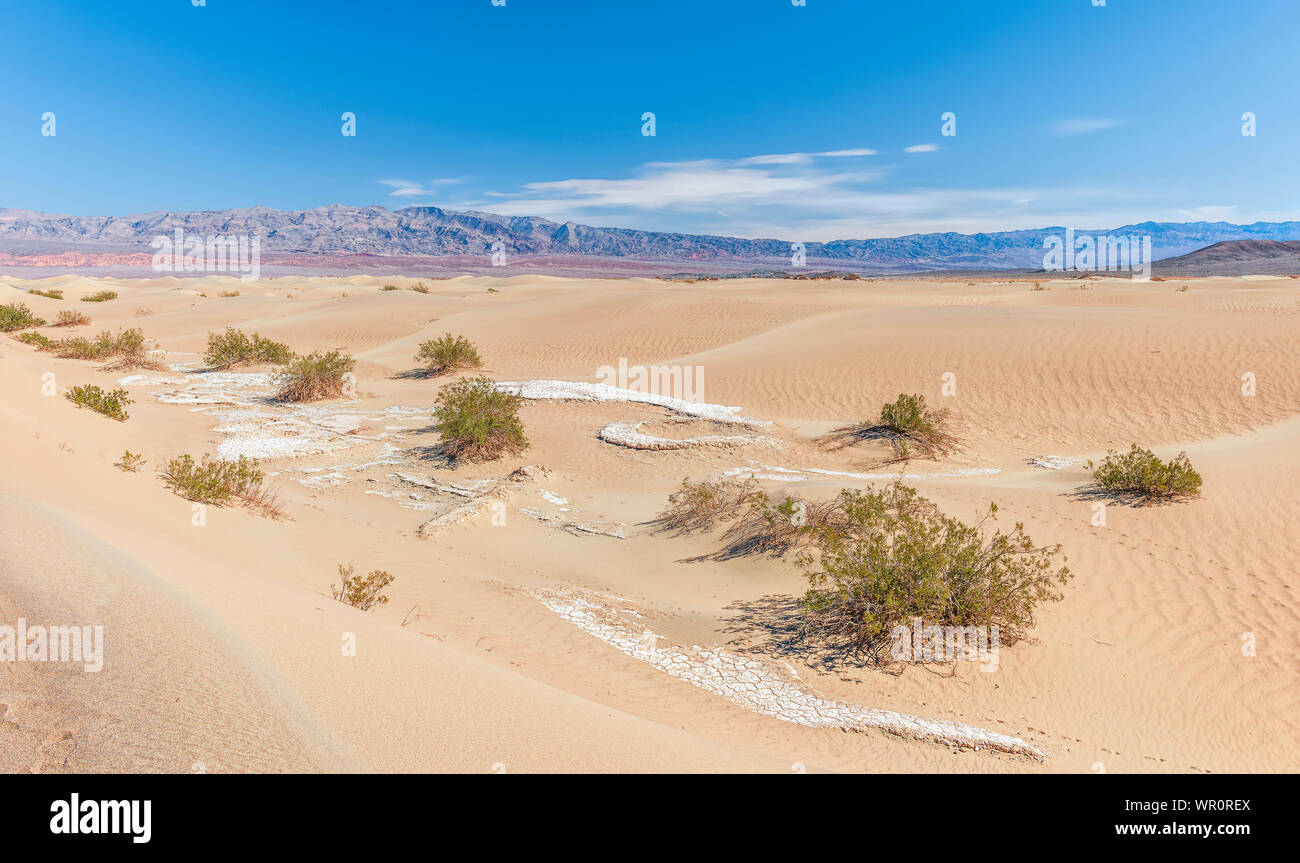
x: 435, y: 232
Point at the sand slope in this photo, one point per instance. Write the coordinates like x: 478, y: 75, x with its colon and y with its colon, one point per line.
x: 225, y: 647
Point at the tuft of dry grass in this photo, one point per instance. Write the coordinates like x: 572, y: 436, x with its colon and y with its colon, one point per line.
x: 70, y: 318
x: 703, y: 505
x: 100, y: 297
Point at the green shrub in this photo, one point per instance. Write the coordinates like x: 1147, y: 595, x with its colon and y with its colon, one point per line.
x: 16, y: 316
x: 913, y: 428
x: 892, y: 556
x: 36, y: 339
x: 234, y: 348
x: 52, y: 293
x: 111, y: 404
x: 314, y: 376
x: 363, y: 592
x: 478, y: 421
x: 69, y: 318
x: 219, y: 482
x: 1139, y: 473
x: 101, y: 297
x: 448, y: 354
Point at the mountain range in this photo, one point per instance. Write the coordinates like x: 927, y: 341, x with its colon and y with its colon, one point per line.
x: 431, y: 232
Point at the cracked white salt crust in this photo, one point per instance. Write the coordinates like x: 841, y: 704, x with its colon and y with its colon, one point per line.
x: 758, y: 686
x: 785, y: 474
x: 1052, y: 462
x: 253, y: 425
x: 629, y: 434
x: 590, y: 392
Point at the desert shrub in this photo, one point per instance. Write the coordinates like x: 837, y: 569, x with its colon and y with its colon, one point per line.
x: 1038, y: 286
x: 69, y: 318
x: 1139, y: 473
x: 220, y: 482
x: 912, y: 428
x: 314, y: 376
x: 775, y: 528
x: 16, y: 316
x: 36, y: 339
x: 448, y: 354
x: 228, y: 294
x: 52, y: 293
x: 130, y: 461
x: 234, y: 348
x: 703, y: 505
x: 477, y: 421
x: 894, y: 556
x: 110, y: 404
x: 390, y: 288
x: 363, y: 592
x: 101, y: 297
x: 419, y: 288
x: 127, y: 349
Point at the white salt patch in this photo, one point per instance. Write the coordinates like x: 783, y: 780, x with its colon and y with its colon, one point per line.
x: 629, y: 434
x: 1051, y: 462
x: 757, y: 686
x: 554, y: 498
x: 783, y: 474
x: 589, y: 392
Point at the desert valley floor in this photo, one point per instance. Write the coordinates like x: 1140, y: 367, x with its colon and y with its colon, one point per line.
x: 518, y: 637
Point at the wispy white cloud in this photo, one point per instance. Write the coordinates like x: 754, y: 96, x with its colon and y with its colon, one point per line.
x: 816, y: 198
x: 412, y: 188
x: 1209, y: 213
x: 805, y: 158
x: 921, y: 148
x: 1083, y: 125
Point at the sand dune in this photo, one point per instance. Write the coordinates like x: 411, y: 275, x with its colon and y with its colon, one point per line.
x: 224, y: 646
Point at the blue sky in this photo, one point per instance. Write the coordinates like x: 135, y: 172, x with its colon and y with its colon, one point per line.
x: 813, y: 123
